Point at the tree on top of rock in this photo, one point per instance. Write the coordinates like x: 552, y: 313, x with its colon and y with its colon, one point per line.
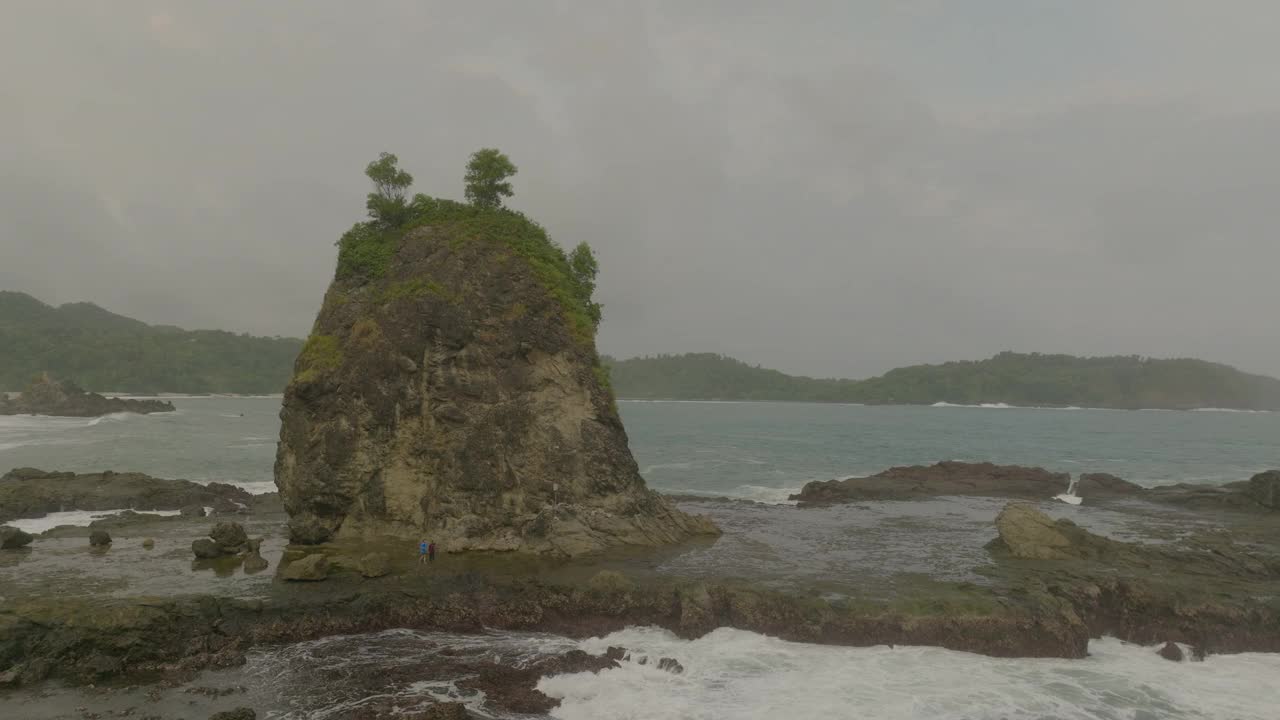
x: 487, y: 173
x: 386, y: 204
x: 584, y: 266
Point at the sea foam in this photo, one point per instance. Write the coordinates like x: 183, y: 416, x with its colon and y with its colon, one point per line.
x: 737, y: 674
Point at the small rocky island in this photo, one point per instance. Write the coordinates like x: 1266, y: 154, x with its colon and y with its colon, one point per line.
x: 451, y: 388
x: 45, y: 395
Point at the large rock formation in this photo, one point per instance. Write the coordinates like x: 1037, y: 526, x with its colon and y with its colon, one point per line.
x: 47, y: 396
x: 451, y: 396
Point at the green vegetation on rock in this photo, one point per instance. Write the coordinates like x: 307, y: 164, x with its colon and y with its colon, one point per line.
x: 366, y: 250
x: 100, y: 350
x: 1030, y: 379
x: 321, y: 354
x: 486, y: 178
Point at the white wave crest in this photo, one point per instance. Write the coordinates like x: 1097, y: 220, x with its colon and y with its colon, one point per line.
x: 736, y: 674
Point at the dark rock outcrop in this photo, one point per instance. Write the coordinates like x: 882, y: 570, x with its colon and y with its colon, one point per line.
x: 944, y: 478
x: 241, y: 713
x: 1170, y: 651
x: 99, y: 538
x: 1264, y: 489
x: 47, y: 396
x: 230, y: 537
x: 225, y: 539
x: 1262, y: 493
x: 671, y: 665
x: 206, y: 549
x: 12, y: 538
x: 32, y: 493
x: 452, y: 397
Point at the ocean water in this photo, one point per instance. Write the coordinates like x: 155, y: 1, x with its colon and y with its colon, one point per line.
x: 764, y: 452
x: 758, y: 451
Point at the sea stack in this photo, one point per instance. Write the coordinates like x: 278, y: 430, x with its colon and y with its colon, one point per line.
x: 451, y: 390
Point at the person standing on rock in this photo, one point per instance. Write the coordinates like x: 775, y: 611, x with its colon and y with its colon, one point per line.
x: 431, y: 552
x: 423, y: 548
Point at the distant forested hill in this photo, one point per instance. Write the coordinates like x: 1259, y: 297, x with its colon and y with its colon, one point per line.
x: 1014, y: 378
x: 100, y: 350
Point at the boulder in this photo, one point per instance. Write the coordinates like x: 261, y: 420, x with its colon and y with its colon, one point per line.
x: 206, y: 549
x: 1264, y: 489
x: 375, y: 565
x: 193, y: 511
x: 255, y: 563
x: 311, y: 568
x: 148, y: 544
x: 253, y: 545
x: 1030, y: 534
x: 230, y: 537
x: 11, y: 538
x: 240, y: 713
x: 367, y: 446
x: 99, y: 538
x: 1170, y: 651
x: 671, y: 665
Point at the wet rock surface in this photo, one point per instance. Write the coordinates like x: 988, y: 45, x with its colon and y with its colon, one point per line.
x: 453, y: 399
x: 46, y: 396
x: 33, y: 493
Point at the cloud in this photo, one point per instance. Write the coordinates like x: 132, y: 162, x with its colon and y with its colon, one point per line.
x: 827, y: 188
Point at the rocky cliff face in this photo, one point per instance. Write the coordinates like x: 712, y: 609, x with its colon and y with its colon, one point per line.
x: 446, y: 395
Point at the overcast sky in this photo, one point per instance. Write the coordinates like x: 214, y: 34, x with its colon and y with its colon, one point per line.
x: 829, y: 188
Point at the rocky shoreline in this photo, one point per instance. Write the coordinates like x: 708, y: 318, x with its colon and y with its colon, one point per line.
x: 1050, y: 586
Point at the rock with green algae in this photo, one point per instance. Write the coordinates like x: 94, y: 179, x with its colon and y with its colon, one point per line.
x: 312, y: 568
x: 453, y: 396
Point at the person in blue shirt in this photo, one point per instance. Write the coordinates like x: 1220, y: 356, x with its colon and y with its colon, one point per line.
x: 422, y: 551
